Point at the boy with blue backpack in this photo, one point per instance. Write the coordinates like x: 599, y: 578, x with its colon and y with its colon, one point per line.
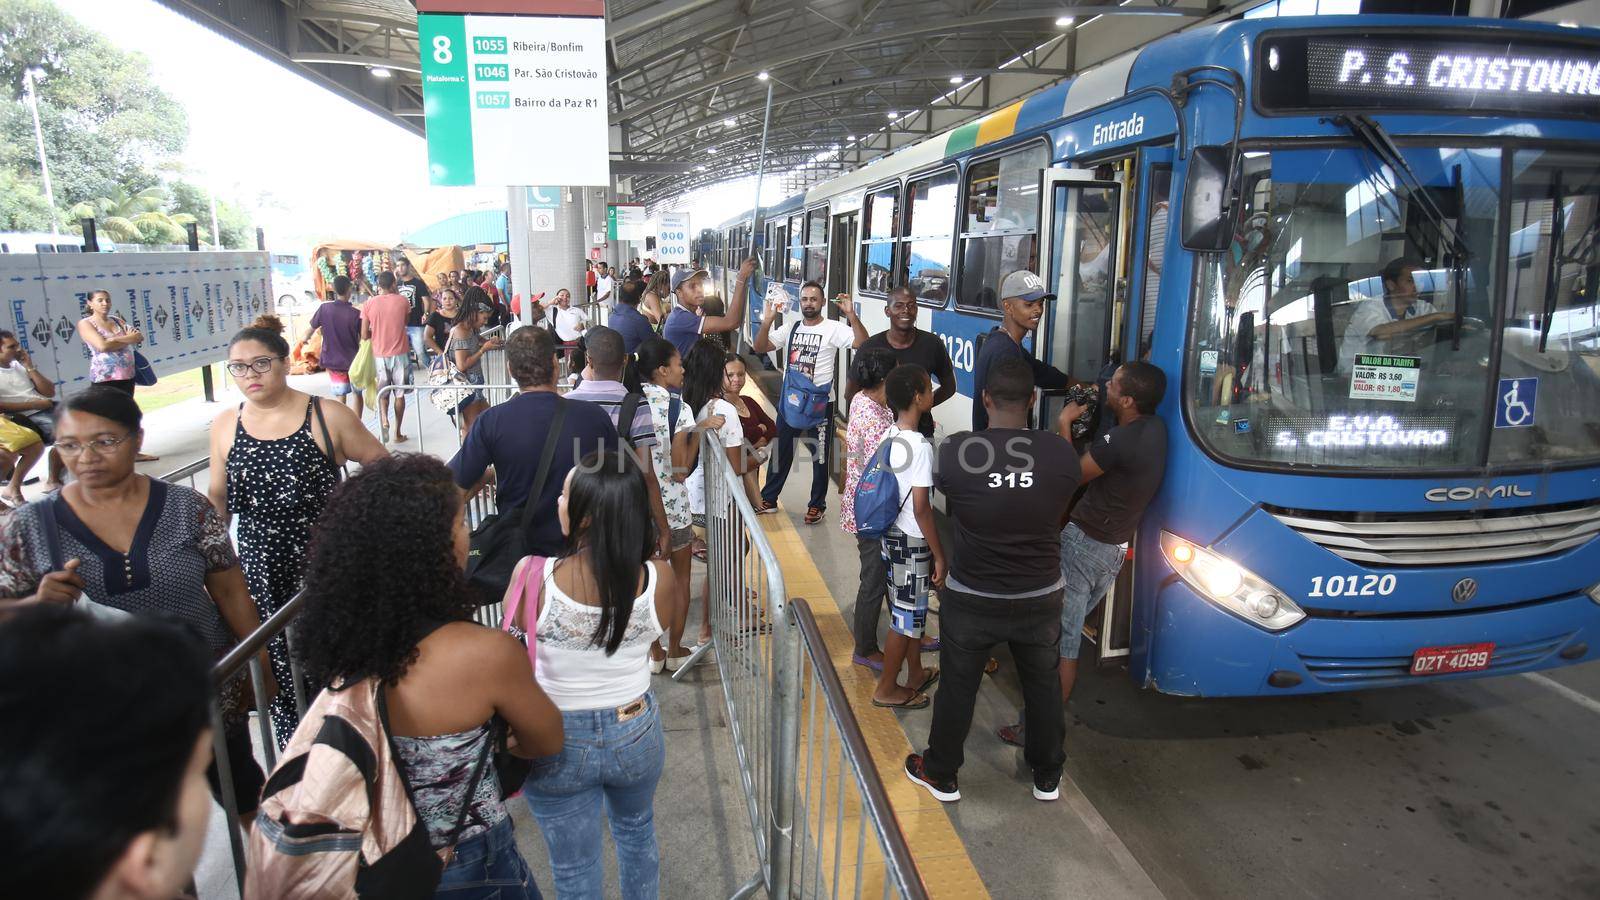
x: 811, y: 348
x: 893, y: 500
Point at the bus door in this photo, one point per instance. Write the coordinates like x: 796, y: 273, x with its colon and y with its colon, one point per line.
x: 841, y: 278
x: 1081, y: 216
x: 1086, y: 266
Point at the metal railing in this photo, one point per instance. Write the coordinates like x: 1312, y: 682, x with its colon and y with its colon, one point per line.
x: 782, y: 692
x: 246, y: 656
x: 501, y: 390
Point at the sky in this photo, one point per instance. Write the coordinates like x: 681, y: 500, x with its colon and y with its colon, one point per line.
x: 307, y: 163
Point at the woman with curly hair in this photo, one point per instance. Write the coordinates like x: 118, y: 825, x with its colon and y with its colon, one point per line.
x: 602, y: 608
x: 387, y: 600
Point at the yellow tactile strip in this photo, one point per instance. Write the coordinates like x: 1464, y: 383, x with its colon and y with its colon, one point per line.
x: 941, y: 857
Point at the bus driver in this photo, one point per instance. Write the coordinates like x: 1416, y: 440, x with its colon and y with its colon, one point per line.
x: 1380, y: 322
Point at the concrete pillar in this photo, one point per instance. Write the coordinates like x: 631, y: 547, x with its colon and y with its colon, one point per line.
x: 547, y: 260
x: 1484, y: 9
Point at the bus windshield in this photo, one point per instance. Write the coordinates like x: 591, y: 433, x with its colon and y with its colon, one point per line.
x: 1347, y: 329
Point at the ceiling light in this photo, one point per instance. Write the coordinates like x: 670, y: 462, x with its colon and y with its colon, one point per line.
x: 956, y: 79
x: 699, y: 168
x: 762, y: 76
x: 893, y: 115
x: 380, y: 72
x: 849, y: 137
x: 729, y: 122
x: 712, y: 151
x: 1064, y: 22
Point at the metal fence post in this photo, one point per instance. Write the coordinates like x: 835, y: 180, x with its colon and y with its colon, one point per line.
x: 786, y: 749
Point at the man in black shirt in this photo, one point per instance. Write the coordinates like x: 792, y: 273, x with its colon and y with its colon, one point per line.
x: 1005, y: 488
x: 1123, y: 469
x: 415, y: 290
x: 1022, y: 298
x: 910, y: 344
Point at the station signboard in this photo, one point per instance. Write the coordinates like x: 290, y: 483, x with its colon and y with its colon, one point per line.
x: 672, y: 238
x: 514, y: 99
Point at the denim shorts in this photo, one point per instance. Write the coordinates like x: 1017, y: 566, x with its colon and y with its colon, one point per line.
x: 488, y: 866
x: 1089, y: 568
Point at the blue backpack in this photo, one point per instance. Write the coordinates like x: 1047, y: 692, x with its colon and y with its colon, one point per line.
x: 877, y: 497
x: 804, y: 404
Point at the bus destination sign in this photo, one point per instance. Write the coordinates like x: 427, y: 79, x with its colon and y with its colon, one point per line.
x: 1341, y: 71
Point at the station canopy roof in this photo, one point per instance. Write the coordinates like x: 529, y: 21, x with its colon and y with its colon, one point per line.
x: 851, y: 80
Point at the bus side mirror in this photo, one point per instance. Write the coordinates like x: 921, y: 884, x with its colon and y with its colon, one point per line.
x: 1207, y: 225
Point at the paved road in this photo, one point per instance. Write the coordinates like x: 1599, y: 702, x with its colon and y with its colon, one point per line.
x: 1465, y: 789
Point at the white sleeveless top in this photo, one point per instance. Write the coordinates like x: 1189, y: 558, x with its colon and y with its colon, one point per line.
x: 576, y: 673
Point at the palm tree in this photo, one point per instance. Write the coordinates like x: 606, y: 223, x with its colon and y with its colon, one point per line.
x: 134, y: 218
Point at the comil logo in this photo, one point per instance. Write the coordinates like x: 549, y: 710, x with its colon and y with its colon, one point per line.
x: 1133, y: 126
x: 1497, y: 492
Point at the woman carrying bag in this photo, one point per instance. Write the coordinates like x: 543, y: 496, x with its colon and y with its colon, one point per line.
x: 595, y: 612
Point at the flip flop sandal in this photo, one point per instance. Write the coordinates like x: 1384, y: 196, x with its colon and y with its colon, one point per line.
x: 929, y: 681
x: 875, y: 665
x: 933, y: 647
x: 915, y: 701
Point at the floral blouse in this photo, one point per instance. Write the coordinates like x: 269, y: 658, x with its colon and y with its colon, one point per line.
x: 111, y: 365
x: 868, y: 425
x: 674, y: 494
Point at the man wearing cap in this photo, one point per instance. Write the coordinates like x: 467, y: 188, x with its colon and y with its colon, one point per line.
x: 1022, y: 298
x: 684, y: 325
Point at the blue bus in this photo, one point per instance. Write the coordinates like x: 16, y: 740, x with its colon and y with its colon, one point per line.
x: 1345, y: 506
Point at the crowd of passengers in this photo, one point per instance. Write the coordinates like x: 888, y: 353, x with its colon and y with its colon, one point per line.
x: 125, y: 591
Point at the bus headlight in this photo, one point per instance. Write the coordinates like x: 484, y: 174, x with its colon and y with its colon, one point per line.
x: 1231, y: 586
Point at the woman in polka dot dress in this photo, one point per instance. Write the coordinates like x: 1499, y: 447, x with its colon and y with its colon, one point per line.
x: 282, y: 460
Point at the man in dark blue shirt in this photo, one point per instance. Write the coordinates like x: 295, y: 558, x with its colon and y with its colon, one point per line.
x: 626, y: 318
x: 510, y: 436
x: 684, y: 326
x: 1022, y: 298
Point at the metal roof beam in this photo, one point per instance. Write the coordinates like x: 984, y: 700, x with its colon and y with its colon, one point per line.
x: 901, y: 30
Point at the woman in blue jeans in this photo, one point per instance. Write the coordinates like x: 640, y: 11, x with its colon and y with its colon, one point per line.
x: 600, y: 610
x: 387, y: 600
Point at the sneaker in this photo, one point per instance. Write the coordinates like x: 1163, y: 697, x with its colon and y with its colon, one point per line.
x: 943, y: 791
x: 1046, y: 787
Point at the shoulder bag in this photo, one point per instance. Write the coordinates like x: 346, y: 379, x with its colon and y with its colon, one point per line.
x: 501, y: 540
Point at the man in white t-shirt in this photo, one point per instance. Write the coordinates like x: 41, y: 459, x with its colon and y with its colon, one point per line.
x: 811, y: 346
x: 27, y: 397
x: 605, y: 292
x: 568, y: 321
x: 1392, y: 323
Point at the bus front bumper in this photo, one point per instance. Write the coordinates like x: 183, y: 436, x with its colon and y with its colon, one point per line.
x: 1198, y: 649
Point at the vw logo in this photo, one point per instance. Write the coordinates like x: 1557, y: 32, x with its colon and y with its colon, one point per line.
x: 1465, y: 590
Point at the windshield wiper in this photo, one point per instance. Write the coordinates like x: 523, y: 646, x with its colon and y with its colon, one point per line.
x: 1552, y: 281
x: 1406, y: 182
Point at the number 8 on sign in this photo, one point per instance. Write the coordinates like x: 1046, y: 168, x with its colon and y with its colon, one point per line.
x: 441, y: 50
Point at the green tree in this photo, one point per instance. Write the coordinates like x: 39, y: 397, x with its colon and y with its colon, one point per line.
x: 106, y: 123
x: 135, y: 218
x: 238, y: 231
x: 22, y: 206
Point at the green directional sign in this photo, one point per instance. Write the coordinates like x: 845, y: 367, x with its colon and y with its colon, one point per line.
x: 514, y: 99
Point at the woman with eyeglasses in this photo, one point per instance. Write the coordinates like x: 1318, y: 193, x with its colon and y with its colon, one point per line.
x: 114, y: 539
x: 274, y: 461
x: 111, y: 343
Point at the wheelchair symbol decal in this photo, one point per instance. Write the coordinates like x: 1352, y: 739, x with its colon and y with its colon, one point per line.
x: 1516, y: 402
